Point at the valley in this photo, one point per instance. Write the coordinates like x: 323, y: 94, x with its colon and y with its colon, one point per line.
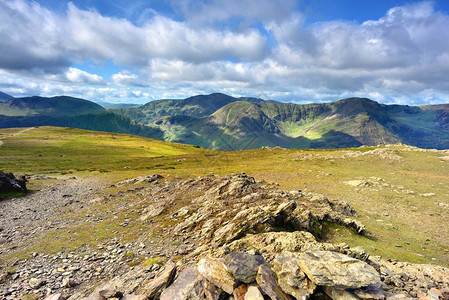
x: 221, y: 122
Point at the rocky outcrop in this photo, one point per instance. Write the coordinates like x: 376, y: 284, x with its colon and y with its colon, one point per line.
x: 236, y: 238
x: 9, y: 183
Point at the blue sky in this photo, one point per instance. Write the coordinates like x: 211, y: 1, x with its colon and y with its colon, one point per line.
x: 298, y: 51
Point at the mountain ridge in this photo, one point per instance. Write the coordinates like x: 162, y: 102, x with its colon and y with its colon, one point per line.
x: 222, y: 122
x: 349, y: 122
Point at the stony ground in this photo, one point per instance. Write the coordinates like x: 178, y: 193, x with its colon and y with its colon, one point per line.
x: 81, y: 237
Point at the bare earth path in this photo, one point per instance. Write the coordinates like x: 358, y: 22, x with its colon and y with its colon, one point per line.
x: 17, y: 133
x: 23, y: 218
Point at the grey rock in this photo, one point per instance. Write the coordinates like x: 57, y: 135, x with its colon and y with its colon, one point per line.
x: 55, y: 297
x: 134, y: 297
x: 328, y: 268
x: 188, y: 286
x: 370, y: 292
x: 339, y: 294
x: 243, y: 266
x: 163, y: 279
x: 291, y: 279
x: 36, y: 283
x: 267, y: 281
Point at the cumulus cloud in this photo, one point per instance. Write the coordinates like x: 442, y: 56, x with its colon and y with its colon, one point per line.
x: 34, y: 37
x: 75, y: 75
x: 404, y: 54
x: 126, y: 78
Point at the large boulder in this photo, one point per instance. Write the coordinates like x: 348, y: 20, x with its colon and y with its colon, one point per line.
x: 244, y: 266
x: 334, y: 269
x: 214, y: 271
x: 9, y: 183
x: 290, y: 277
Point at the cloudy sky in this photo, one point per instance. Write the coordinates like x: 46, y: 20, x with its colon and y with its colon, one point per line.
x: 300, y: 51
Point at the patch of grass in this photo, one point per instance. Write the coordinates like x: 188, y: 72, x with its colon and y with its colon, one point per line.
x: 153, y: 261
x: 9, y: 195
x: 30, y: 297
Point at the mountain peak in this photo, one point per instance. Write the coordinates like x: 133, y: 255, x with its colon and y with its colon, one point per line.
x: 5, y: 97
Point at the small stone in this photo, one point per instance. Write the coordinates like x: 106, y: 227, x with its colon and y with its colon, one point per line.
x: 68, y: 283
x: 253, y: 293
x: 55, y: 297
x: 110, y: 294
x: 240, y: 291
x: 36, y: 283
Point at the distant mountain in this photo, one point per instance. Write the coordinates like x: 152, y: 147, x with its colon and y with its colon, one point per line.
x: 55, y: 106
x: 196, y: 106
x: 68, y: 112
x: 223, y: 122
x: 5, y: 97
x: 109, y: 105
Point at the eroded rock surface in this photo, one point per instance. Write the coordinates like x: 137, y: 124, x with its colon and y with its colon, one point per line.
x: 231, y: 237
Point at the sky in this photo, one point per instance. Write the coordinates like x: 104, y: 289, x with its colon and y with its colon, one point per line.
x: 302, y: 51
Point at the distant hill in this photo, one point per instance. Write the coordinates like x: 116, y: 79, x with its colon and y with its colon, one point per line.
x: 5, y: 97
x: 223, y: 122
x: 109, y: 105
x: 69, y: 112
x: 195, y: 106
x: 55, y: 106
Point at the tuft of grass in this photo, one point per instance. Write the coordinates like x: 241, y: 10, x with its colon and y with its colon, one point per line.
x: 153, y: 261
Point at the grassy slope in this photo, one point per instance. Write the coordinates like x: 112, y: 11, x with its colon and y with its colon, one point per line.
x: 394, y: 217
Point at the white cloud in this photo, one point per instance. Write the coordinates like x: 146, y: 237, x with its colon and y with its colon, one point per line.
x: 404, y: 54
x: 126, y: 78
x: 75, y: 75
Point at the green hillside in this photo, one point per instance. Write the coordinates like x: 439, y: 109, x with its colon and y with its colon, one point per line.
x: 55, y: 106
x: 240, y: 124
x: 69, y: 112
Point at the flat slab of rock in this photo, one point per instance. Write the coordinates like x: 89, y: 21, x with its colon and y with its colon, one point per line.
x: 214, y: 271
x: 187, y: 286
x: 328, y: 268
x: 244, y: 266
